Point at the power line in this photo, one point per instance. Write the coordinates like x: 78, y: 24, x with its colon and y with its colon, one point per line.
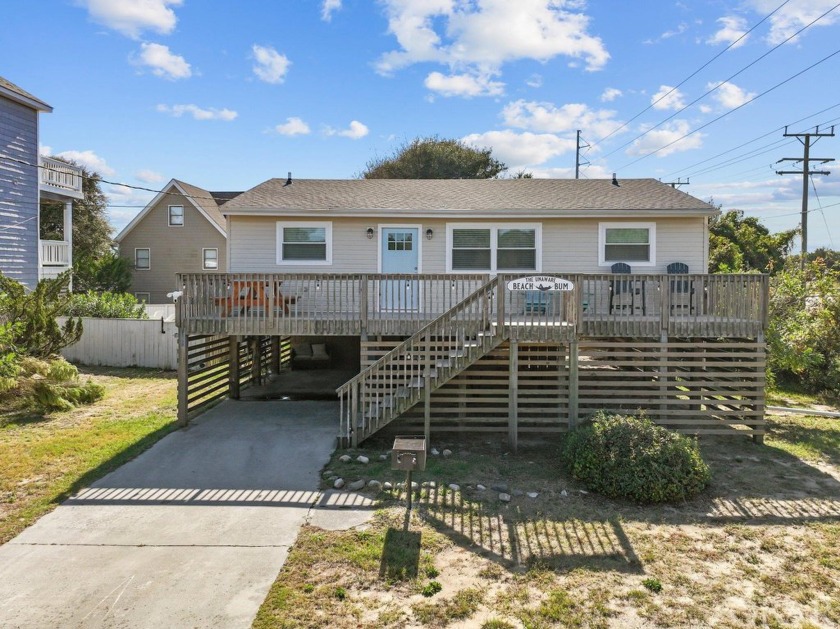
x: 733, y: 110
x: 722, y: 83
x: 690, y: 76
x: 825, y: 220
x: 769, y: 133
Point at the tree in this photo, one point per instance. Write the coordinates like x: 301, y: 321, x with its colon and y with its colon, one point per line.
x: 804, y: 333
x: 91, y: 231
x: 435, y: 158
x: 739, y: 243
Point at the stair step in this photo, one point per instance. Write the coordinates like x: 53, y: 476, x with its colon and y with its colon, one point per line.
x: 402, y: 392
x: 443, y: 363
x: 417, y: 383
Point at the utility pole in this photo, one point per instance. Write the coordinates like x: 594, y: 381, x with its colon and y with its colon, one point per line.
x: 807, y: 140
x: 676, y: 184
x: 577, y: 155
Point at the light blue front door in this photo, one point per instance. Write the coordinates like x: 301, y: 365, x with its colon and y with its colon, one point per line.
x: 399, y: 255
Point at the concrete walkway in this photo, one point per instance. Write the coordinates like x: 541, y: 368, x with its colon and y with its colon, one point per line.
x: 192, y: 533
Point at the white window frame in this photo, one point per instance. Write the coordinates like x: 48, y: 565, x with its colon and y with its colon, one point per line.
x: 602, y: 242
x: 147, y: 299
x: 169, y: 216
x: 142, y: 268
x: 494, y: 241
x: 204, y: 251
x: 327, y: 225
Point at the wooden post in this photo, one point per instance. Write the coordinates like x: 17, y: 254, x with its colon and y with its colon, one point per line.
x: 256, y: 360
x: 663, y: 374
x: 363, y: 306
x: 427, y: 391
x: 183, y: 377
x: 275, y: 355
x: 513, y: 395
x: 233, y: 368
x: 574, y: 351
x: 759, y: 405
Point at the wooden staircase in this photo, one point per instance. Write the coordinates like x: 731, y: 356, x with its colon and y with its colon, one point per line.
x: 415, y: 368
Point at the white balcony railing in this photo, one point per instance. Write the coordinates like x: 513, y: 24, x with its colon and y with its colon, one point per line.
x: 60, y: 178
x: 55, y: 253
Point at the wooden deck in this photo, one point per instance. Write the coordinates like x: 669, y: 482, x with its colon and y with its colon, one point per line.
x: 599, y: 306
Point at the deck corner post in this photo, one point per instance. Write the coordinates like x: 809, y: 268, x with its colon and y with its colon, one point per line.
x: 574, y: 352
x: 233, y: 367
x: 663, y: 374
x: 275, y: 355
x: 427, y: 391
x: 363, y: 305
x: 183, y: 377
x: 513, y: 395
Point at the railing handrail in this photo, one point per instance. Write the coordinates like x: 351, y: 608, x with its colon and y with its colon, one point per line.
x: 419, y: 334
x: 60, y: 174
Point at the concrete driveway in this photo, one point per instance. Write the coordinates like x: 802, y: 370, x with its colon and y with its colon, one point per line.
x: 192, y: 533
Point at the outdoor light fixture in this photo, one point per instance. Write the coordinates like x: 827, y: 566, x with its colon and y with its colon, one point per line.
x: 429, y: 233
x: 369, y: 232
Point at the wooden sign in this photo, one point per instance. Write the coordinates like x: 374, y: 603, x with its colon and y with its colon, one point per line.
x: 544, y: 283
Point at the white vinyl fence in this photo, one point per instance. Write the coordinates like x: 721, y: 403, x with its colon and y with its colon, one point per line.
x: 125, y: 343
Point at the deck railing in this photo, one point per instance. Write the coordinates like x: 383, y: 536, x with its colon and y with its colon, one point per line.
x: 600, y: 305
x: 55, y: 253
x: 61, y: 176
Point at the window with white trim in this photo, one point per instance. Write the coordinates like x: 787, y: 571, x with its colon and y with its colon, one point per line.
x: 633, y: 243
x: 505, y: 247
x: 210, y: 259
x: 142, y: 259
x: 304, y: 243
x: 176, y: 215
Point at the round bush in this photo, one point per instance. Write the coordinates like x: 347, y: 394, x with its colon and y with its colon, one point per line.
x: 631, y: 457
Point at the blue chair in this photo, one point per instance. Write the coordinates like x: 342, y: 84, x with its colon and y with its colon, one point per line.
x: 680, y: 288
x: 618, y: 288
x: 538, y: 302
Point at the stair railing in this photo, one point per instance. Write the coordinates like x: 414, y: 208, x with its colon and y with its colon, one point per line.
x: 427, y: 359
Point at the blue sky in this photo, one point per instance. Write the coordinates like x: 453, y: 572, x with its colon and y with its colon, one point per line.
x: 225, y: 94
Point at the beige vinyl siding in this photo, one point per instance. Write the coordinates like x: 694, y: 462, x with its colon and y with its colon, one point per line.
x: 568, y: 244
x: 172, y: 249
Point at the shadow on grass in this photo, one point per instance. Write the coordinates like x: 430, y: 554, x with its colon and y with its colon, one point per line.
x: 400, y: 555
x: 826, y: 441
x: 134, y: 373
x: 122, y: 457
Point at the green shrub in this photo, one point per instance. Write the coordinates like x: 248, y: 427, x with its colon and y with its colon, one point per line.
x: 630, y: 457
x: 61, y: 389
x: 106, y: 306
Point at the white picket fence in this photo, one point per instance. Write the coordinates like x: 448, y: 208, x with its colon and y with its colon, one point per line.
x: 125, y: 343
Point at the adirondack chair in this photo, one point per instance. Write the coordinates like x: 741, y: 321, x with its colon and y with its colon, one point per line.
x: 682, y: 289
x: 626, y: 292
x: 247, y: 295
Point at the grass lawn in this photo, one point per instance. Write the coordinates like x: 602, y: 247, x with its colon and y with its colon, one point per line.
x: 759, y: 548
x: 45, y: 458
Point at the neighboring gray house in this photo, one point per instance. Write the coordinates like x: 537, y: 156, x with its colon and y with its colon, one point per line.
x: 25, y: 181
x: 180, y: 230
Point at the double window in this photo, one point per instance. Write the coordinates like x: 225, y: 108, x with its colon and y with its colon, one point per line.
x: 505, y: 247
x: 633, y: 243
x: 176, y: 215
x: 304, y: 243
x: 142, y: 259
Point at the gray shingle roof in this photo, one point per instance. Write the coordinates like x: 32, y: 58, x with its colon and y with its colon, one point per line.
x: 205, y: 199
x: 465, y: 195
x: 24, y: 96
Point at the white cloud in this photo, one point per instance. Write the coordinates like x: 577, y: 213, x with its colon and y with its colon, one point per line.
x: 520, y: 149
x: 667, y: 98
x: 667, y: 135
x: 610, y: 94
x: 148, y: 176
x: 355, y: 131
x: 729, y: 95
x: 270, y: 65
x: 681, y: 28
x: 536, y: 116
x: 793, y: 16
x: 465, y: 85
x: 89, y: 160
x: 197, y: 112
x: 535, y: 80
x: 328, y: 8
x: 732, y: 28
x: 293, y: 126
x: 163, y: 62
x: 484, y: 34
x: 132, y: 17
x: 44, y: 150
